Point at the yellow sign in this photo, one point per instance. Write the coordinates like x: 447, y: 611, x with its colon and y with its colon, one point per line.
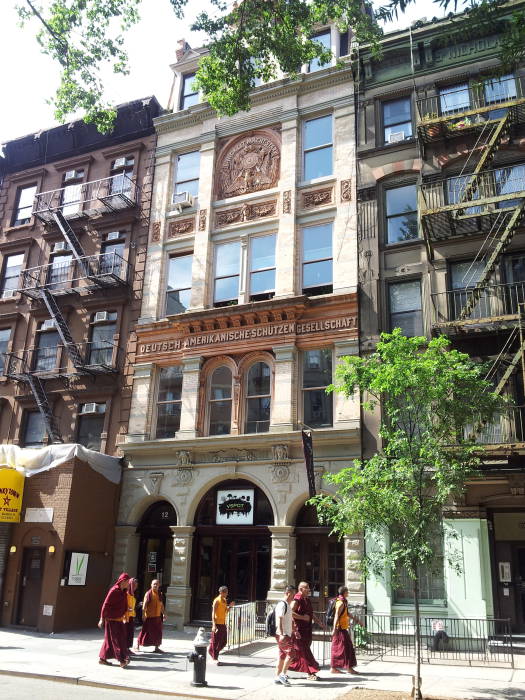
x: 11, y: 492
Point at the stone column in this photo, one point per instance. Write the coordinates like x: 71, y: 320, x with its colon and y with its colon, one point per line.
x: 125, y: 557
x: 284, y: 402
x: 202, y: 272
x: 141, y: 402
x: 285, y: 249
x: 178, y: 596
x: 347, y: 412
x: 191, y: 367
x: 283, y: 559
x: 244, y: 282
x: 353, y: 551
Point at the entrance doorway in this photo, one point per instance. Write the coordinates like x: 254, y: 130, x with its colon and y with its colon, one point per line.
x: 156, y: 546
x: 320, y: 558
x: 233, y: 555
x: 33, y: 561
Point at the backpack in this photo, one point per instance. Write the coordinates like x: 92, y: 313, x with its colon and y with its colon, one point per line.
x: 271, y: 622
x: 330, y: 613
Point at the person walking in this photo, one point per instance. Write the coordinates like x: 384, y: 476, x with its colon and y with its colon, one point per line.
x: 303, y: 616
x: 283, y: 635
x: 219, y: 635
x: 112, y: 619
x: 152, y: 618
x: 343, y: 653
x: 130, y: 615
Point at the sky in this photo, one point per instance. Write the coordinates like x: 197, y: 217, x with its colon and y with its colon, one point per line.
x: 151, y: 47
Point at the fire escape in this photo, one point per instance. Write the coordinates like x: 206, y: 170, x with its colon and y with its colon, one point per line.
x: 486, y: 200
x: 82, y: 274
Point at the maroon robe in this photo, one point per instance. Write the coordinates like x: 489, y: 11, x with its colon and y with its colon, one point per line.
x: 302, y: 639
x: 218, y: 641
x: 343, y: 654
x: 113, y: 610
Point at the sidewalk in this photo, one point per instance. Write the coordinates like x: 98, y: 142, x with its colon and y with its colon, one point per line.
x: 73, y: 657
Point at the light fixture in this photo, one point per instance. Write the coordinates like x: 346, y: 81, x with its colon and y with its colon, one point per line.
x: 51, y: 549
x: 12, y: 549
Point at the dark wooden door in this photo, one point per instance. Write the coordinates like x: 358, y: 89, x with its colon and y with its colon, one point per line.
x: 320, y: 562
x: 30, y: 586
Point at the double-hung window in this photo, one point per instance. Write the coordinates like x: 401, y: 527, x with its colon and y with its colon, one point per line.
x: 401, y: 213
x: 498, y: 90
x: 112, y: 255
x: 45, y: 357
x: 5, y: 334
x: 432, y: 588
x: 91, y: 425
x: 220, y: 401
x: 397, y: 120
x: 24, y: 205
x: 317, y: 259
x: 72, y: 192
x: 169, y: 401
x: 121, y: 172
x: 318, y: 147
x: 103, y: 329
x: 324, y: 39
x: 317, y: 376
x: 10, y: 275
x: 454, y: 99
x: 509, y: 180
x: 227, y: 273
x: 34, y: 429
x: 179, y: 284
x: 189, y: 95
x: 262, y: 267
x: 405, y: 307
x: 258, y: 398
x: 59, y: 271
x: 186, y: 175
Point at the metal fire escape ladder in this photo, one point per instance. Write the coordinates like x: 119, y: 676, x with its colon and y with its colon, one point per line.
x: 71, y: 239
x: 43, y: 406
x: 62, y: 328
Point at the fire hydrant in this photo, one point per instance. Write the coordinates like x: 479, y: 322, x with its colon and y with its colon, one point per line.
x: 198, y: 659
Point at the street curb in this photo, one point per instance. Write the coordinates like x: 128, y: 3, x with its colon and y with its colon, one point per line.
x: 109, y: 686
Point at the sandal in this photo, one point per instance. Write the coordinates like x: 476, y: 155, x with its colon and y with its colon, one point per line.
x: 312, y: 677
x: 104, y: 662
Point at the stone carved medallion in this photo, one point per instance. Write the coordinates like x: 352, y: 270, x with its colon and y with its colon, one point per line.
x: 249, y: 164
x: 346, y: 190
x: 317, y: 197
x: 177, y: 228
x: 183, y: 475
x: 280, y: 473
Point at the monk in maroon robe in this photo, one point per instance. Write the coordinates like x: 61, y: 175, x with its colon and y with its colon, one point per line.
x: 303, y: 616
x: 152, y: 618
x: 113, y: 618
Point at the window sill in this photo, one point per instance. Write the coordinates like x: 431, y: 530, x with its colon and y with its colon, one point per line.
x: 327, y: 179
x: 189, y: 211
x: 363, y: 152
x: 403, y: 244
x: 21, y: 227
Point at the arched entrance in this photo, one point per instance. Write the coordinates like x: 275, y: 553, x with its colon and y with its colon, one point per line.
x: 156, y: 545
x: 320, y: 557
x: 232, y: 545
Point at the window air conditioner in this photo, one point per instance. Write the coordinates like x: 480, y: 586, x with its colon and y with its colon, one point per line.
x: 396, y: 136
x: 113, y: 236
x: 183, y: 200
x: 88, y: 408
x: 101, y: 316
x: 73, y: 174
x: 48, y: 324
x: 8, y: 293
x: 119, y: 163
x: 60, y: 245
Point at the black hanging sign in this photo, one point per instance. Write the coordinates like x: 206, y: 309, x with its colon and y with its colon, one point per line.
x: 309, y: 460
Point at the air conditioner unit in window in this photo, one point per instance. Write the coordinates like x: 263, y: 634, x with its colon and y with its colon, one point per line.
x: 101, y: 316
x: 72, y: 174
x: 113, y: 236
x: 396, y: 136
x: 60, y: 245
x: 8, y: 293
x: 48, y: 324
x: 119, y: 163
x: 183, y: 200
x: 89, y: 408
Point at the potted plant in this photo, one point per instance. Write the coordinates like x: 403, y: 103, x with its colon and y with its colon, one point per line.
x: 461, y: 124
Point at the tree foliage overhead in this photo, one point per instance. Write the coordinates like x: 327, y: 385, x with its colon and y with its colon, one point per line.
x: 248, y: 40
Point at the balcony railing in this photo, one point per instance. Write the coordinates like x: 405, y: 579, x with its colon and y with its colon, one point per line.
x: 453, y: 112
x: 98, y: 357
x: 507, y: 428
x: 497, y: 302
x: 103, y: 270
x: 88, y: 199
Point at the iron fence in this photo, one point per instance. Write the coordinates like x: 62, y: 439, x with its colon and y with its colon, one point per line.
x: 247, y: 623
x: 493, y: 301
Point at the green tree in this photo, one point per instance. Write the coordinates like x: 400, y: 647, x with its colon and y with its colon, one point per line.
x: 253, y: 39
x: 431, y: 398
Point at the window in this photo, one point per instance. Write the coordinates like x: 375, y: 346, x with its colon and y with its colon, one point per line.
x: 103, y: 329
x: 112, y: 257
x: 189, y: 95
x: 458, y: 190
x: 91, y: 425
x: 262, y: 267
x: 220, y: 401
x: 322, y: 38
x: 227, y: 266
x: 58, y: 272
x: 24, y: 205
x: 187, y: 174
x: 179, y: 284
x: 34, y: 429
x: 121, y: 172
x: 401, y: 214
x: 465, y: 275
x: 169, y: 401
x: 5, y: 334
x: 455, y: 98
x: 317, y: 135
x: 317, y: 375
x: 11, y: 273
x: 405, y: 307
x: 72, y: 192
x: 317, y: 259
x: 431, y: 579
x: 397, y: 120
x: 46, y: 351
x: 497, y: 90
x: 508, y: 181
x: 258, y: 398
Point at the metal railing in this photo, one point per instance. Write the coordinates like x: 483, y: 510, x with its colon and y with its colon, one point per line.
x: 108, y: 194
x: 495, y: 301
x: 247, y: 623
x: 506, y: 428
x: 102, y: 270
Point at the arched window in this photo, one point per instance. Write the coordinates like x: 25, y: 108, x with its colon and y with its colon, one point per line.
x: 220, y: 401
x: 258, y: 398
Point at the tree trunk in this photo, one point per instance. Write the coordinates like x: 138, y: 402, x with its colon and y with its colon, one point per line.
x: 416, y: 683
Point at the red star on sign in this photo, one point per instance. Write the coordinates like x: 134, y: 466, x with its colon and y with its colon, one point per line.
x: 7, y: 501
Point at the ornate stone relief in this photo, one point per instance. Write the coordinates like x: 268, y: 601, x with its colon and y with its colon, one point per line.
x: 317, y: 197
x: 155, y: 232
x: 183, y: 458
x: 155, y: 480
x: 248, y: 164
x: 346, y: 190
x: 248, y: 212
x: 202, y: 219
x: 287, y: 202
x: 183, y: 475
x: 280, y: 473
x: 280, y: 453
x: 177, y: 228
x: 319, y: 470
x: 230, y: 456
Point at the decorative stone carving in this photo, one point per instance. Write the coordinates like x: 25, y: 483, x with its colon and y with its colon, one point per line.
x: 155, y: 480
x: 183, y: 475
x: 317, y: 197
x: 346, y: 190
x: 202, y: 219
x: 177, y: 228
x: 287, y: 202
x: 249, y: 164
x: 155, y: 232
x: 319, y: 470
x: 248, y: 212
x: 232, y: 456
x: 280, y: 473
x: 182, y: 458
x: 280, y: 453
